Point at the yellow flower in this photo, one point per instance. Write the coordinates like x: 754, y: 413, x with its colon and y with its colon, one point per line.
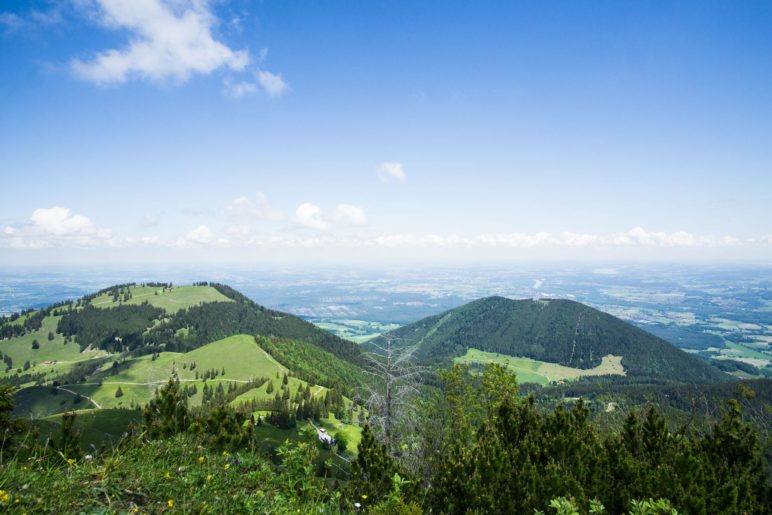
x: 364, y: 497
x: 201, y: 459
x: 226, y: 453
x: 167, y: 475
x: 71, y: 461
x: 135, y: 510
x: 227, y: 466
x: 4, y: 497
x: 170, y: 503
x: 209, y: 477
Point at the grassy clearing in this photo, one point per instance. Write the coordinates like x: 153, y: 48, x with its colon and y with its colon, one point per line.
x: 172, y: 300
x: 352, y: 433
x: 43, y: 401
x: 533, y: 371
x: 50, y: 351
x: 238, y: 355
x: 293, y: 383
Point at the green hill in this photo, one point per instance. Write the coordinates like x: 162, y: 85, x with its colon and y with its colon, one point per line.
x: 76, y: 355
x: 560, y: 332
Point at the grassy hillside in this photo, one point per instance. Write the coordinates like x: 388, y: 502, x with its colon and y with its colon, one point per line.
x: 237, y: 359
x: 540, y: 372
x: 112, y: 350
x: 95, y: 426
x: 170, y: 300
x: 563, y: 332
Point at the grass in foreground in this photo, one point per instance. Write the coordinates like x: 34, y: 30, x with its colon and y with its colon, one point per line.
x: 168, y: 476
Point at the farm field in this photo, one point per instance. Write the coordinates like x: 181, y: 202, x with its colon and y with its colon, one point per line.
x: 533, y: 371
x: 358, y: 331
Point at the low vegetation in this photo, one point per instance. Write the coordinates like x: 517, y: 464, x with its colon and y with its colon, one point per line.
x: 533, y: 371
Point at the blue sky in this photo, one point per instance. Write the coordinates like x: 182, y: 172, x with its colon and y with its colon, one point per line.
x: 182, y: 130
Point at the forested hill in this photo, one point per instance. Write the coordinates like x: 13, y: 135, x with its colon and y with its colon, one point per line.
x: 158, y: 317
x: 215, y: 320
x: 555, y: 331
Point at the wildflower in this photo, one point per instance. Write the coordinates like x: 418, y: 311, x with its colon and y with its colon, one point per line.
x: 209, y: 477
x: 226, y: 453
x: 4, y: 497
x: 170, y: 503
x: 135, y: 510
x: 167, y: 475
x: 201, y: 459
x: 227, y: 466
x: 88, y: 457
x: 71, y: 461
x: 357, y: 505
x: 364, y: 497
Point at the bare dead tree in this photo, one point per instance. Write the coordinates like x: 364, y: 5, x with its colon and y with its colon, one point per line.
x: 390, y: 397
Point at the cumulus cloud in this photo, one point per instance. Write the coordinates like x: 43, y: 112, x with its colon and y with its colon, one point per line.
x: 169, y: 39
x: 201, y: 234
x: 310, y: 215
x: 246, y: 210
x: 272, y: 83
x: 349, y: 215
x: 391, y: 172
x: 55, y: 226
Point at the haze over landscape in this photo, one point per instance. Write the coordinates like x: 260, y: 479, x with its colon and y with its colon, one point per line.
x: 385, y: 257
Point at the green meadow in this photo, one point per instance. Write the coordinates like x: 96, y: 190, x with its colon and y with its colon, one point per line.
x: 533, y: 371
x: 179, y: 297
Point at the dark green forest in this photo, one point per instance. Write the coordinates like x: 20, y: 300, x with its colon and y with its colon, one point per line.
x: 556, y: 331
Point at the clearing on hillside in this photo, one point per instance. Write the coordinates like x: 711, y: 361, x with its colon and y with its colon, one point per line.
x: 171, y: 300
x: 533, y: 371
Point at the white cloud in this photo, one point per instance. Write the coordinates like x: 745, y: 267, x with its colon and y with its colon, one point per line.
x: 272, y: 83
x: 349, y: 215
x: 391, y: 172
x: 238, y: 89
x: 169, y: 39
x: 201, y: 234
x: 244, y: 210
x: 55, y: 226
x: 59, y: 222
x: 310, y: 215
